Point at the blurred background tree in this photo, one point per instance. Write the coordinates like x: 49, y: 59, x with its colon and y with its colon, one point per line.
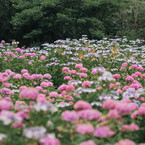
x: 6, y: 13
x: 37, y: 21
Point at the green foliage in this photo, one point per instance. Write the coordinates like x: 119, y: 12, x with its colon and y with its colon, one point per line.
x: 6, y: 12
x: 37, y: 21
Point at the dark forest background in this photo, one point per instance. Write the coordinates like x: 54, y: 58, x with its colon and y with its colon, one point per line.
x: 37, y: 21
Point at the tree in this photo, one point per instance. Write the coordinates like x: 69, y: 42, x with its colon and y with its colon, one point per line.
x: 6, y: 12
x: 48, y: 20
x: 37, y: 21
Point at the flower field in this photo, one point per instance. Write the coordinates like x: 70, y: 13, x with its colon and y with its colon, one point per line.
x: 73, y: 92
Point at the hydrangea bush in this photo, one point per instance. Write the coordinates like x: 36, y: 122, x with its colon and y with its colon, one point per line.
x: 76, y: 92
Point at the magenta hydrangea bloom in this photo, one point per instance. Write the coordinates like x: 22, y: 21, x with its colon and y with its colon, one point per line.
x: 69, y: 116
x: 49, y: 141
x: 90, y: 142
x: 80, y: 105
x: 125, y: 142
x: 29, y: 93
x: 86, y: 84
x: 89, y: 114
x: 6, y: 105
x: 85, y: 128
x: 102, y: 132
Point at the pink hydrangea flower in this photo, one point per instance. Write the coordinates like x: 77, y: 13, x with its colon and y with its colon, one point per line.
x: 140, y: 68
x: 138, y: 73
x: 63, y: 93
x: 5, y: 59
x: 89, y: 114
x: 129, y: 78
x: 17, y: 76
x: 90, y: 142
x: 125, y: 101
x: 22, y: 87
x: 85, y: 128
x: 81, y: 105
x: 29, y: 63
x: 3, y: 41
x: 69, y: 116
x: 134, y: 76
x: 141, y: 111
x: 67, y: 78
x: 46, y: 84
x: 29, y: 93
x: 102, y: 132
x: 143, y: 76
x: 6, y: 99
x: 133, y: 127
x: 34, y: 83
x: 18, y: 50
x: 6, y: 105
x: 136, y: 85
x: 65, y: 70
x: 125, y: 88
x: 10, y: 54
x: 18, y: 124
x: 21, y: 106
x: 83, y: 75
x: 62, y: 87
x: 22, y: 57
x: 83, y: 69
x: 126, y: 108
x: 24, y: 71
x: 45, y: 91
x: 94, y: 72
x: 133, y: 115
x: 113, y: 114
x: 41, y: 98
x: 78, y: 66
x: 73, y: 72
x: 124, y: 127
x: 134, y: 66
x: 6, y: 85
x: 8, y: 71
x: 116, y: 76
x: 39, y: 88
x: 49, y: 141
x: 142, y: 105
x: 53, y: 94
x: 47, y: 76
x: 42, y: 57
x: 119, y: 91
x: 109, y: 104
x: 125, y: 142
x: 68, y: 97
x: 124, y: 64
x: 99, y: 88
x: 6, y: 91
x: 111, y: 86
x: 36, y: 76
x: 86, y: 84
x: 70, y: 88
x: 23, y: 115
